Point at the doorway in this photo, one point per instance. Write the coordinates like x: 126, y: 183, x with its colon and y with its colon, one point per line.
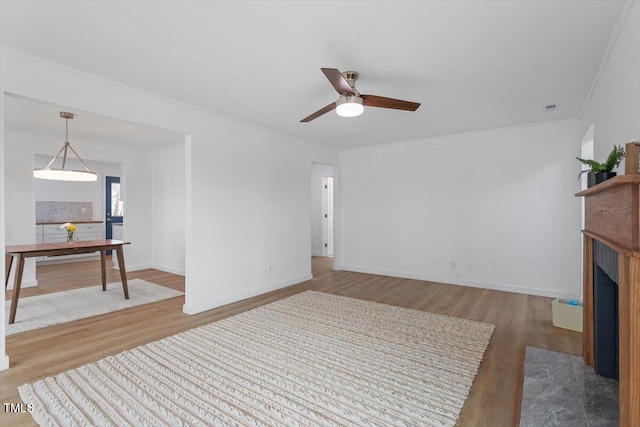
x: 31, y: 138
x: 322, y: 210
x: 114, y: 207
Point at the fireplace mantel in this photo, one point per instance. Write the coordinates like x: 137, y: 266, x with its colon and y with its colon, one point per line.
x: 612, y: 217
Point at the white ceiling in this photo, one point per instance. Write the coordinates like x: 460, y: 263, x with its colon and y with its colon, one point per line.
x: 472, y: 64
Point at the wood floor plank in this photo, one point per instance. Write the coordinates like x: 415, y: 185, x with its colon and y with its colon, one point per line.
x: 520, y: 320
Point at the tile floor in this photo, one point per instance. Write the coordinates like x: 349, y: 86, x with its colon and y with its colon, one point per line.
x: 559, y: 390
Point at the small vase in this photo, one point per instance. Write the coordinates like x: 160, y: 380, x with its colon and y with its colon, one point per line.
x: 603, y: 176
x: 597, y: 178
x: 69, y: 237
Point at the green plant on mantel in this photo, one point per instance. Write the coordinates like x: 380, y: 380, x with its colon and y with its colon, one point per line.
x: 613, y: 161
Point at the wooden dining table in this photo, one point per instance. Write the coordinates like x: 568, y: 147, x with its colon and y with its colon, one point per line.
x: 21, y: 252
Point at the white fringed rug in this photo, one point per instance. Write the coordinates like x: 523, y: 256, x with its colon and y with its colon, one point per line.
x: 313, y: 359
x: 61, y: 307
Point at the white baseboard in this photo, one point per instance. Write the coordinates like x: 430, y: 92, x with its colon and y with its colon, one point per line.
x: 316, y: 253
x: 168, y: 269
x: 135, y: 267
x: 29, y: 283
x: 218, y: 302
x: 4, y: 363
x: 460, y: 282
x: 25, y: 284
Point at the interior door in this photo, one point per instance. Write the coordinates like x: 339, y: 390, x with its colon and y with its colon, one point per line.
x: 113, y: 204
x: 327, y: 215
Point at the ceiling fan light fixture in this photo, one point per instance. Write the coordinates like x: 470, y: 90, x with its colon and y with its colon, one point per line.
x: 349, y: 106
x: 62, y: 174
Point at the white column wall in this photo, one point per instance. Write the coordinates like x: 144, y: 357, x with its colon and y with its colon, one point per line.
x: 4, y: 358
x: 20, y: 198
x: 255, y: 207
x: 169, y: 208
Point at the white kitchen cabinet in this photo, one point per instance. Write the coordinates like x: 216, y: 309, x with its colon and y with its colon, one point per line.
x: 52, y: 233
x: 54, y: 230
x: 39, y: 234
x: 90, y: 231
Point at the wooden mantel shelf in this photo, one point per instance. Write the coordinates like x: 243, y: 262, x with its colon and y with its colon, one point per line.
x: 612, y: 212
x: 616, y: 181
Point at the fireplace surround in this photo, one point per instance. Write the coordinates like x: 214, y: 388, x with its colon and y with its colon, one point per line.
x: 612, y: 287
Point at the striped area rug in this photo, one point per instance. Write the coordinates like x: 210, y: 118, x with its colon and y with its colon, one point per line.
x: 312, y: 359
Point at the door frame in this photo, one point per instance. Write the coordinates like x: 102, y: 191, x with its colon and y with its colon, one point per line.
x: 109, y: 219
x: 328, y: 209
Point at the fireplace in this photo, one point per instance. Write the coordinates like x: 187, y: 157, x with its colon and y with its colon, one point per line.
x: 605, y: 311
x: 611, y: 338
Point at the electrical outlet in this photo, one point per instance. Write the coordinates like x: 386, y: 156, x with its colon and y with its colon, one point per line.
x: 452, y: 264
x: 269, y: 269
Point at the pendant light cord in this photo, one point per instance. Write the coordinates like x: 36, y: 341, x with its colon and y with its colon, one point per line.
x: 66, y: 146
x: 66, y: 142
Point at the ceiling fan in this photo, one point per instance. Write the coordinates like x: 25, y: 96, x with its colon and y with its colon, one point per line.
x: 351, y: 103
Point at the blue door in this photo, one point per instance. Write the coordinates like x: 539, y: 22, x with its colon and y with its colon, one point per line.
x: 114, y: 205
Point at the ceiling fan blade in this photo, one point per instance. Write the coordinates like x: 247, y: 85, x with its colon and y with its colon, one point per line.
x: 382, y: 102
x: 320, y: 112
x: 340, y: 84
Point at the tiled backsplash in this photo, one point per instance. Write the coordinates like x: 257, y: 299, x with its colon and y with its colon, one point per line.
x: 64, y: 211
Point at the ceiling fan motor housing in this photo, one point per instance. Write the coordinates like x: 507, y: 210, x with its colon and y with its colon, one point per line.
x: 351, y: 77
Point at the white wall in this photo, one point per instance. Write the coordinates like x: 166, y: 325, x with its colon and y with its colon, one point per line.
x: 4, y: 358
x: 317, y: 172
x: 168, y: 226
x: 247, y: 197
x: 499, y: 204
x: 614, y: 106
x: 20, y: 200
x: 250, y: 212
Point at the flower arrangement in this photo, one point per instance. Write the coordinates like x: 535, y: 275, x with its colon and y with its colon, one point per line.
x: 71, y: 228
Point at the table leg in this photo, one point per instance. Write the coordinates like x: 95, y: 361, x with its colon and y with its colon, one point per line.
x: 103, y: 261
x: 16, y: 289
x: 8, y: 260
x: 123, y: 272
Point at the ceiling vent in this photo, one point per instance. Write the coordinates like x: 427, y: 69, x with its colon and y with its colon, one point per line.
x: 550, y: 107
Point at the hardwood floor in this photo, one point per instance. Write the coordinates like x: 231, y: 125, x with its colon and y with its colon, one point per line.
x: 520, y: 320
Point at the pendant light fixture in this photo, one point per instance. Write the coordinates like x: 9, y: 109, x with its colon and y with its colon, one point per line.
x: 65, y: 174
